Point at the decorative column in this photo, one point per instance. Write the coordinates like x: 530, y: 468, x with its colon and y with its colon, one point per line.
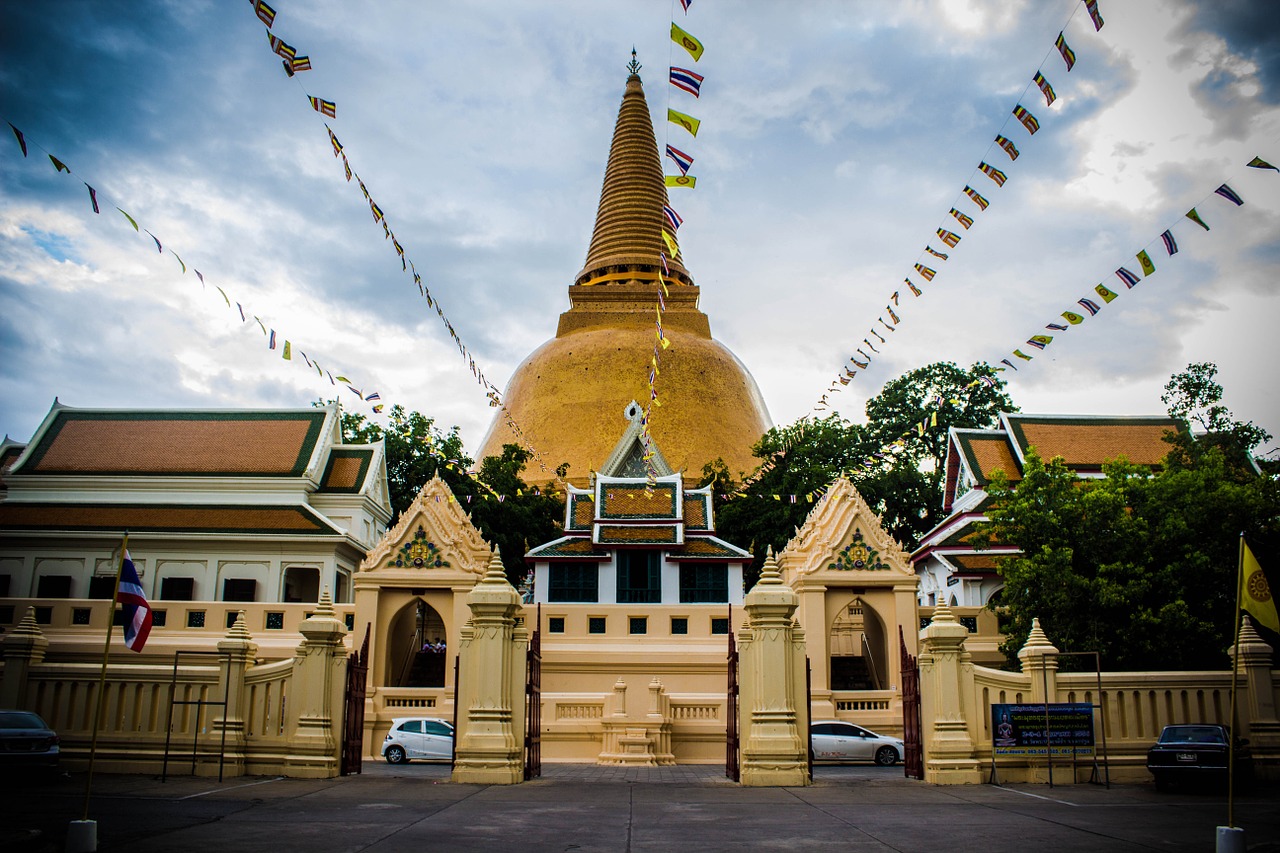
x: 24, y: 647
x: 240, y: 646
x: 317, y: 697
x: 946, y: 679
x: 1257, y: 710
x: 489, y: 748
x: 775, y: 751
x: 1039, y: 659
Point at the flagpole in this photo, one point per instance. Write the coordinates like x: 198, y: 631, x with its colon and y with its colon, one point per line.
x: 102, y: 676
x: 1235, y: 671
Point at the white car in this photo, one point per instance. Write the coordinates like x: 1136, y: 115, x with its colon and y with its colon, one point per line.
x: 833, y: 740
x: 418, y: 737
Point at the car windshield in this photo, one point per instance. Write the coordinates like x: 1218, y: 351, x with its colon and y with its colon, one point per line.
x: 1192, y: 734
x: 20, y: 720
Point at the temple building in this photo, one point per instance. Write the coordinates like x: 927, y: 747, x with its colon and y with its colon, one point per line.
x: 568, y: 394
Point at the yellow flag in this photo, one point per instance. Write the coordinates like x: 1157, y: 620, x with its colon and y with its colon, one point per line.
x: 681, y: 181
x: 1147, y: 267
x: 688, y: 122
x: 1103, y: 291
x: 1255, y: 593
x: 686, y: 41
x: 671, y: 244
x: 288, y: 352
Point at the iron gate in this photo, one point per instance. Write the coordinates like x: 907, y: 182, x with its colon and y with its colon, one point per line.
x: 732, y: 769
x: 913, y: 761
x: 353, y: 710
x: 533, y: 704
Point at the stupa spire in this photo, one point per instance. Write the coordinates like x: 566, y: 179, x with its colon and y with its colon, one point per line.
x: 628, y: 232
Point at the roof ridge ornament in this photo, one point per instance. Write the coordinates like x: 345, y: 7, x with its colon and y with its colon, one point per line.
x: 634, y: 65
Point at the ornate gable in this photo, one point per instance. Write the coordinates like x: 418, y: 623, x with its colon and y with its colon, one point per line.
x: 841, y: 538
x: 433, y: 535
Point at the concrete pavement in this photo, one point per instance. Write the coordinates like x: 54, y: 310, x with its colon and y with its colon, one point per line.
x: 587, y: 808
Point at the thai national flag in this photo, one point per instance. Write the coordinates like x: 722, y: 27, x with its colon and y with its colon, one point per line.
x: 137, y: 613
x: 682, y: 160
x: 673, y: 218
x: 683, y: 78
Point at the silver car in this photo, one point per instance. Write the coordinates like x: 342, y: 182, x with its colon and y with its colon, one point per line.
x: 418, y: 737
x: 834, y: 740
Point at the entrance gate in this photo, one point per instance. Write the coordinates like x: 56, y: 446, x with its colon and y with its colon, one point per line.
x: 353, y: 710
x: 533, y: 704
x: 913, y: 761
x: 732, y: 768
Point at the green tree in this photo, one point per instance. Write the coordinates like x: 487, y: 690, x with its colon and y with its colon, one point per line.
x: 1194, y: 396
x: 521, y: 520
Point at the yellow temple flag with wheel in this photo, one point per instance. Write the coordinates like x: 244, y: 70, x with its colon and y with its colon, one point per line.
x: 1255, y: 592
x: 686, y: 41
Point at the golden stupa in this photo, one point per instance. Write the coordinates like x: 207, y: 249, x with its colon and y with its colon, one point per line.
x: 569, y: 396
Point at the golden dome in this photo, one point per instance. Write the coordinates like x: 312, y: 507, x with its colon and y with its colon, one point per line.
x: 568, y: 397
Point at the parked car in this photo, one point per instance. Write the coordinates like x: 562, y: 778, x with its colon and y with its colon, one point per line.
x: 418, y: 737
x: 1193, y: 754
x: 27, y: 742
x: 833, y: 740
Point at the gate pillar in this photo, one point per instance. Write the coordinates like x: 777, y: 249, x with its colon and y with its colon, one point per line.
x: 947, y: 702
x: 489, y: 741
x: 775, y: 717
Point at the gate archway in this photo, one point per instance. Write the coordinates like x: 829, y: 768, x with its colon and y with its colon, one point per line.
x: 416, y: 647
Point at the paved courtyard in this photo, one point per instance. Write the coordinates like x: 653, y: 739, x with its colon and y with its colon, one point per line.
x: 585, y: 808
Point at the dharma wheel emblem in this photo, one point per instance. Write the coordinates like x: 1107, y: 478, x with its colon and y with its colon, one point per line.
x: 1259, y: 590
x: 419, y: 553
x: 858, y: 555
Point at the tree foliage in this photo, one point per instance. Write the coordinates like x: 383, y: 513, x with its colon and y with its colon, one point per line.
x: 1139, y: 566
x: 904, y: 488
x: 1195, y: 397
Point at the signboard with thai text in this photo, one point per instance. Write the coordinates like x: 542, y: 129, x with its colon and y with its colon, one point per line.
x: 1021, y: 729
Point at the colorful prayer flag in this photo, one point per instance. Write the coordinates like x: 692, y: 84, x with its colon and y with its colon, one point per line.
x: 1006, y: 361
x: 333, y: 140
x: 288, y: 351
x: 159, y: 248
x: 977, y: 198
x: 1028, y: 120
x: 1040, y: 341
x: 271, y: 342
x: 59, y: 165
x: 1009, y: 148
x: 1094, y: 14
x: 687, y: 3
x: 914, y: 289
x: 93, y: 198
x: 324, y: 107
x: 181, y: 262
x: 375, y: 210
x: 1224, y: 191
x: 265, y: 13
x: 1068, y: 55
x: 993, y: 173
x: 1089, y: 305
x: 1170, y: 244
x: 688, y: 122
x: 1057, y: 327
x: 964, y: 220
x: 682, y: 160
x: 1127, y: 277
x: 1106, y: 293
x: 279, y: 48
x: 673, y: 218
x: 1144, y: 260
x: 949, y: 237
x: 1195, y: 217
x: 1045, y: 88
x: 1022, y: 355
x: 298, y: 63
x: 936, y: 254
x: 681, y: 181
x: 670, y: 240
x: 1256, y: 162
x: 926, y: 272
x: 686, y: 41
x: 22, y: 140
x: 1255, y: 593
x: 134, y: 609
x: 889, y: 308
x: 683, y: 78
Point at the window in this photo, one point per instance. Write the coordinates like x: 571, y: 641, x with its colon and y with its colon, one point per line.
x: 720, y: 625
x: 158, y: 618
x: 638, y: 625
x: 178, y: 589
x: 555, y: 624
x: 275, y: 621
x: 80, y: 616
x: 239, y: 589
x: 638, y: 578
x: 4, y: 586
x: 54, y: 586
x: 574, y: 582
x: 679, y: 624
x: 231, y: 617
x: 44, y: 615
x: 595, y: 625
x: 437, y: 727
x: 414, y: 726
x: 301, y: 584
x: 704, y: 583
x: 195, y: 618
x: 102, y: 586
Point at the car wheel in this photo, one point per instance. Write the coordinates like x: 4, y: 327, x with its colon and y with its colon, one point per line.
x: 886, y: 756
x: 396, y: 755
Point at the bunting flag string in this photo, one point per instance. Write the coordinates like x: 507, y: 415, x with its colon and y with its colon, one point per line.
x: 271, y: 335
x: 1146, y: 264
x: 966, y: 221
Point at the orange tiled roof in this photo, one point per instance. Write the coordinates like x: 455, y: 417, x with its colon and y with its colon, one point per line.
x: 991, y: 453
x: 974, y: 562
x: 631, y: 534
x: 140, y: 518
x: 695, y: 512
x: 584, y: 512
x: 623, y: 500
x: 1089, y: 442
x: 578, y: 546
x: 346, y: 470
x: 278, y: 443
x: 708, y: 547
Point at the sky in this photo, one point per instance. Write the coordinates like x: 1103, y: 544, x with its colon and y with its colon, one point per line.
x: 835, y: 138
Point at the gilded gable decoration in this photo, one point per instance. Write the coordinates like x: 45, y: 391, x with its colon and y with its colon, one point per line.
x: 857, y: 555
x: 841, y: 531
x: 419, y: 553
x: 434, y: 532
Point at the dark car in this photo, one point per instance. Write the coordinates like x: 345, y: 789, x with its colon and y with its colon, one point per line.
x: 1193, y: 754
x: 26, y: 742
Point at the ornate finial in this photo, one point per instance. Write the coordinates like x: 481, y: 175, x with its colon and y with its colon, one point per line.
x: 239, y: 630
x: 1036, y: 636
x: 28, y: 627
x: 942, y: 613
x: 496, y: 572
x: 769, y: 572
x: 634, y: 65
x: 324, y: 607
